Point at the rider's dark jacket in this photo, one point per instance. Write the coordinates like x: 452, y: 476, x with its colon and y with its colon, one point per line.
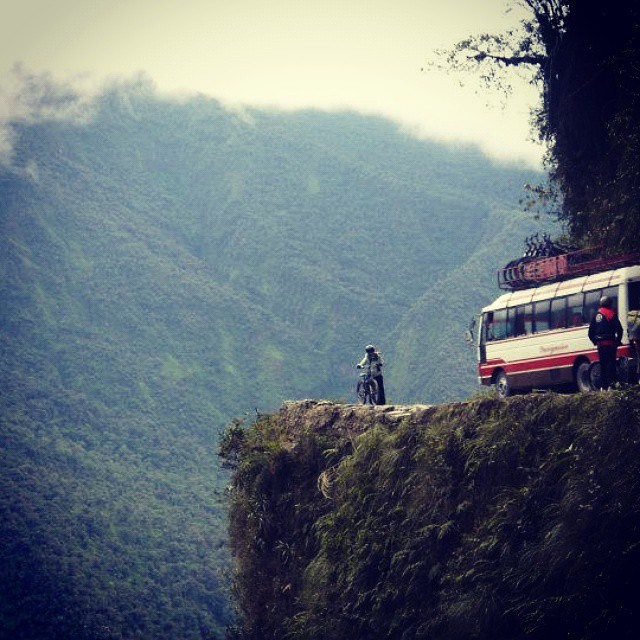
x: 605, y: 328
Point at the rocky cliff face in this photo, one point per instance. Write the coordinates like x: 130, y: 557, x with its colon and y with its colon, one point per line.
x: 322, y: 416
x: 484, y: 519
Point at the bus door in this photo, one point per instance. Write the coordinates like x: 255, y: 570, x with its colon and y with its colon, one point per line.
x: 477, y: 324
x: 487, y: 333
x: 482, y: 348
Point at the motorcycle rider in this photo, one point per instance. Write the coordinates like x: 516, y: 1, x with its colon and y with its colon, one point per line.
x: 372, y: 363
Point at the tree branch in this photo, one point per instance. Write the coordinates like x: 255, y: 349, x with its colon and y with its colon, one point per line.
x: 510, y: 61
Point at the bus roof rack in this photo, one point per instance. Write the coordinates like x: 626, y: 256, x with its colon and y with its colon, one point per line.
x: 526, y: 272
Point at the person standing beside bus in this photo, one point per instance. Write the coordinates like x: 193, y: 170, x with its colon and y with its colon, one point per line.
x: 633, y: 331
x: 605, y: 331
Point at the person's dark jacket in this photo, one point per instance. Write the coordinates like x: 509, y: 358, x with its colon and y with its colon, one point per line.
x: 605, y: 328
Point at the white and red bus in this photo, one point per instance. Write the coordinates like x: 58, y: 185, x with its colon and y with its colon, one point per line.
x: 537, y: 337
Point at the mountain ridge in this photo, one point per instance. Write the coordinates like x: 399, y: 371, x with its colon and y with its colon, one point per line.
x: 166, y: 266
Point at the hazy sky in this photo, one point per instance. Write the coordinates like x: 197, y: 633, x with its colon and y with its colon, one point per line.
x: 358, y: 54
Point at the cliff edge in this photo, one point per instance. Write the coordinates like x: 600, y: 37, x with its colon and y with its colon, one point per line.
x: 486, y: 519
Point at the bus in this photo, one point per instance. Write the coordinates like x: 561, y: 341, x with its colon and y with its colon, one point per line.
x: 536, y: 338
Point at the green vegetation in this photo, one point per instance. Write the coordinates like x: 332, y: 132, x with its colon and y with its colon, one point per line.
x: 486, y: 519
x: 166, y: 265
x: 584, y: 57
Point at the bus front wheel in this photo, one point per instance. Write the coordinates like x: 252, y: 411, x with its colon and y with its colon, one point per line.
x: 503, y: 386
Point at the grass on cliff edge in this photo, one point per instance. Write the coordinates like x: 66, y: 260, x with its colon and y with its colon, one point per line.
x: 486, y: 519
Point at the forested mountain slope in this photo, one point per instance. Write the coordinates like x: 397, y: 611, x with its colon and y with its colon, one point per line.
x: 166, y: 265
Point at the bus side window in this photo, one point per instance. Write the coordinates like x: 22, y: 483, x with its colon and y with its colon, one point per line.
x: 518, y: 326
x: 633, y: 312
x: 500, y: 324
x: 527, y: 318
x: 591, y: 303
x: 612, y: 294
x: 541, y: 315
x: 634, y: 296
x: 558, y: 313
x: 487, y: 327
x: 575, y: 310
x: 512, y: 320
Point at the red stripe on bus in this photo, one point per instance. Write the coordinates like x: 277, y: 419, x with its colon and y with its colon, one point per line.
x: 544, y: 362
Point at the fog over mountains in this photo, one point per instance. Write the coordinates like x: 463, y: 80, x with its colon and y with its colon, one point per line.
x: 167, y: 265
